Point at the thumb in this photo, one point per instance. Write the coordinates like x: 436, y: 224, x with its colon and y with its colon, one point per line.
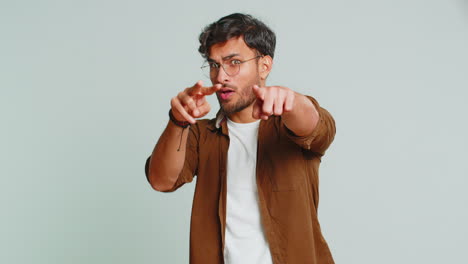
x: 259, y: 92
x: 256, y: 110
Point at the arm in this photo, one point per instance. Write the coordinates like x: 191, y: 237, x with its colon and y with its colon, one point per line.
x: 298, y: 112
x: 305, y: 122
x: 303, y: 117
x: 168, y: 157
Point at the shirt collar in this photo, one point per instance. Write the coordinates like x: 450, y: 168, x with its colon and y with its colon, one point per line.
x: 217, y: 122
x: 220, y: 117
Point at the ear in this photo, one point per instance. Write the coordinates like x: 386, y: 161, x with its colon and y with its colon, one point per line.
x: 265, y: 65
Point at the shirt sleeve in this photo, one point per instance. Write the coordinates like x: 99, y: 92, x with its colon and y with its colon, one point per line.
x: 191, y: 160
x: 321, y: 137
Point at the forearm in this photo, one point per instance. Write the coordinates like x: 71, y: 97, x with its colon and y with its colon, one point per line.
x: 168, y: 157
x: 303, y: 118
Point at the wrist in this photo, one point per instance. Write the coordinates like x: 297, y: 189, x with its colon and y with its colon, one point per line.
x: 175, y: 121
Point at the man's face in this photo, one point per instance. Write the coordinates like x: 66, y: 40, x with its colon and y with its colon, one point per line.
x: 236, y: 94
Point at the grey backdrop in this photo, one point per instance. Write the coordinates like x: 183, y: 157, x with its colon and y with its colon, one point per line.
x: 85, y: 89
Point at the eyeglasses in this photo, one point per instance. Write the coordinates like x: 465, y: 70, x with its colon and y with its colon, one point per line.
x: 231, y: 67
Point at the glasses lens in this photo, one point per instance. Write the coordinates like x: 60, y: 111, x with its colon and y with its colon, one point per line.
x: 206, y: 70
x: 231, y: 69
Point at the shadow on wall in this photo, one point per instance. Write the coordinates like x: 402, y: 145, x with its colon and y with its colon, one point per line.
x: 464, y: 8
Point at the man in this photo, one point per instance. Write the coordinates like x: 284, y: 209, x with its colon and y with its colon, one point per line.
x: 256, y: 163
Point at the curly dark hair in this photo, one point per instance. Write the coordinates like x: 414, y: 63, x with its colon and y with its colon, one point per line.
x: 256, y: 34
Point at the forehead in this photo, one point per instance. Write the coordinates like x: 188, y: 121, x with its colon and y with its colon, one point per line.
x: 232, y: 46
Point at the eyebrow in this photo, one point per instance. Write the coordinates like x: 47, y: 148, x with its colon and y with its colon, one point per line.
x: 230, y: 56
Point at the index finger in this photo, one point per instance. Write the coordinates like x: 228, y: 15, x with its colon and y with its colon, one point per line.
x: 210, y: 90
x: 195, y: 89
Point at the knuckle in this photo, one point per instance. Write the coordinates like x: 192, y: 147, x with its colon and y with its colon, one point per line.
x: 278, y: 92
x: 186, y: 100
x: 181, y: 95
x: 191, y: 104
x: 278, y: 111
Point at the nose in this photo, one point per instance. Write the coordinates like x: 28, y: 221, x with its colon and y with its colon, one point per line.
x: 221, y: 76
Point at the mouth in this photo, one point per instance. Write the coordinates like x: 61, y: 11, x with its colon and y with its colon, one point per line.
x: 225, y: 93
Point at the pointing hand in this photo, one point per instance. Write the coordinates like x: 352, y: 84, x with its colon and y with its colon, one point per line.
x: 191, y: 103
x: 272, y: 100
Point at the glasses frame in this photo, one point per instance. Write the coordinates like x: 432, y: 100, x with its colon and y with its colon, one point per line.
x: 221, y: 65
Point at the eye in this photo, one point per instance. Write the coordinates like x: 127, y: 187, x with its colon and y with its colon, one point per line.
x: 213, y: 65
x: 235, y: 62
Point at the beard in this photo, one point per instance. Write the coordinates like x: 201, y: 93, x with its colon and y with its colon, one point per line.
x: 246, y: 99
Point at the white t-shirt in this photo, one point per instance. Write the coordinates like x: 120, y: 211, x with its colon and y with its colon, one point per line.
x: 245, y: 240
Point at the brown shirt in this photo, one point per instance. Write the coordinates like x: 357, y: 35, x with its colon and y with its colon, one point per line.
x: 287, y: 182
